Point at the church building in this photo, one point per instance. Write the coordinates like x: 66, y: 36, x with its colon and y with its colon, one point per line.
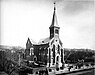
x: 48, y: 51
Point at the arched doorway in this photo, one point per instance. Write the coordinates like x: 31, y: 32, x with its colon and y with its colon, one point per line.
x: 57, y: 61
x: 35, y: 58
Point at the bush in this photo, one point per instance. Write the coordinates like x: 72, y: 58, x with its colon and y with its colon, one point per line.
x: 92, y: 64
x: 61, y: 68
x: 87, y: 65
x: 57, y: 69
x: 36, y: 72
x: 50, y: 70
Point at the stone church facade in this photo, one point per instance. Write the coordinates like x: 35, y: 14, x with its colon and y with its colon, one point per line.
x: 48, y: 51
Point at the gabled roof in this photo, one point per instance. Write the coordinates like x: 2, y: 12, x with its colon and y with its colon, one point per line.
x: 44, y: 41
x: 47, y: 40
x: 30, y: 41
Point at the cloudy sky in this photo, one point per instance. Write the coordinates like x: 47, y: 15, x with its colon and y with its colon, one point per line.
x: 21, y: 19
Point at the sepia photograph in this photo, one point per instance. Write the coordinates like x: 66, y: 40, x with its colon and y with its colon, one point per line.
x: 47, y: 37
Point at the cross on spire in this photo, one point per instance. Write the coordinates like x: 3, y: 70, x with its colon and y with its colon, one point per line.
x: 54, y: 5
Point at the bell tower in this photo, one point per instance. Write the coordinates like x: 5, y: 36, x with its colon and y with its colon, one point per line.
x: 54, y: 28
x: 56, y: 52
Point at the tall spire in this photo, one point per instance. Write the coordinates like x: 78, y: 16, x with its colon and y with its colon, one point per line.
x: 54, y: 19
x: 54, y: 28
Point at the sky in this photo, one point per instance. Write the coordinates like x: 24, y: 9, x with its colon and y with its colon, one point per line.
x: 21, y: 19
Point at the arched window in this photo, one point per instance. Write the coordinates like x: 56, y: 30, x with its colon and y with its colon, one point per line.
x: 58, y: 49
x: 53, y: 53
x: 49, y: 56
x: 56, y: 31
x: 31, y: 51
x: 57, y: 59
x: 62, y: 55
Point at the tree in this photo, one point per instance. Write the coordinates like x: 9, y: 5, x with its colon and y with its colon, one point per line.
x: 5, y: 64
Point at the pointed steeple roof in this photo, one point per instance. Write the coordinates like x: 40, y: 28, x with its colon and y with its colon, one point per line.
x: 54, y: 19
x: 29, y: 42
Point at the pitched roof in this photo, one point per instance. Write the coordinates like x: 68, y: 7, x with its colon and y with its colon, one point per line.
x: 30, y: 41
x: 43, y: 41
